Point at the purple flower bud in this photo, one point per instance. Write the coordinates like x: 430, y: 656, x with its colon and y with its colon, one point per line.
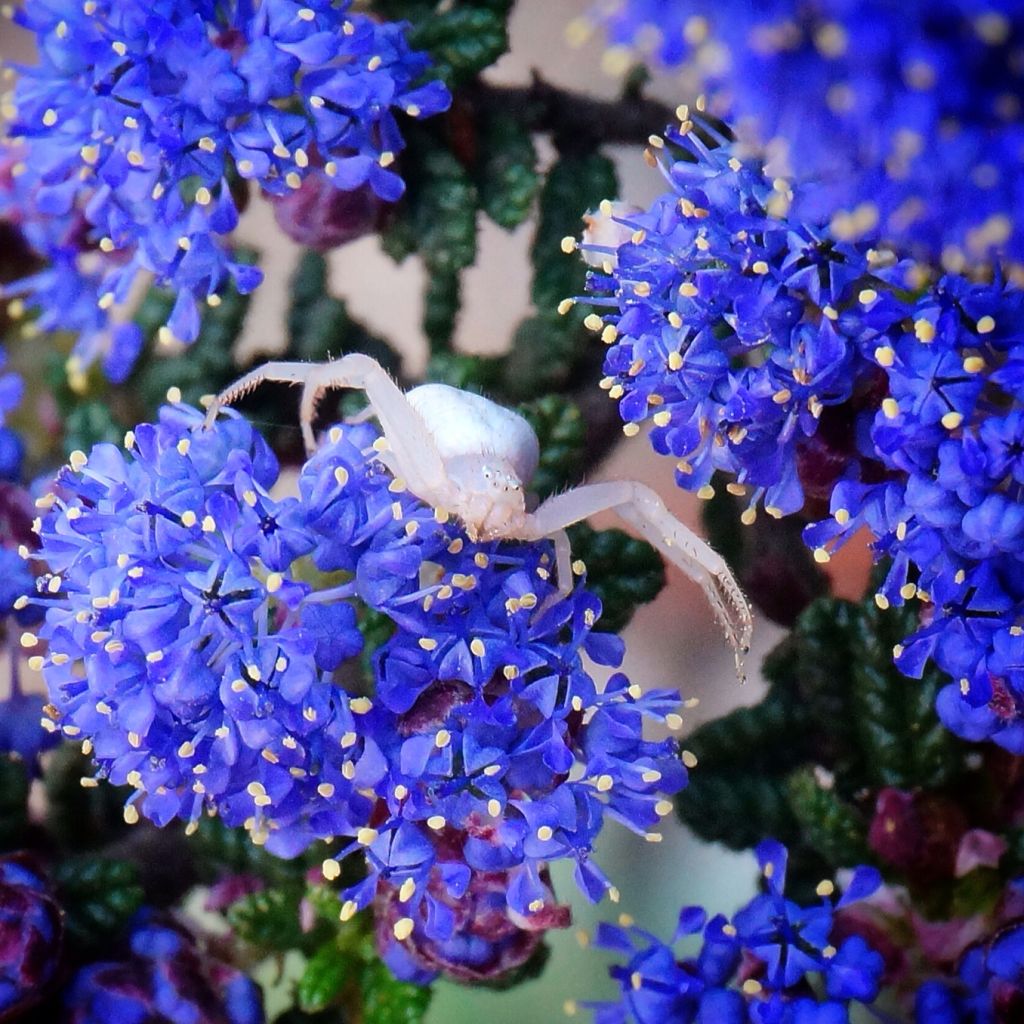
x: 322, y: 216
x: 473, y: 937
x: 917, y: 832
x: 164, y: 978
x: 31, y: 928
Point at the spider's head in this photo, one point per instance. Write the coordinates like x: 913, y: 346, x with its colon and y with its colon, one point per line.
x: 487, y: 496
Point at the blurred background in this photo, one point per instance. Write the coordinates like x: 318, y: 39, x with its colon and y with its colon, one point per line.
x: 673, y: 641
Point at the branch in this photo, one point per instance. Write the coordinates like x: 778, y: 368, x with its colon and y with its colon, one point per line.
x: 576, y: 121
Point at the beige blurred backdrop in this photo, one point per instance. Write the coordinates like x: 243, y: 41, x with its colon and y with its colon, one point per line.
x: 672, y: 642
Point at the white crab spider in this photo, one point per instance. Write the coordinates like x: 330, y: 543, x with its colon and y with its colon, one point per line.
x: 462, y: 453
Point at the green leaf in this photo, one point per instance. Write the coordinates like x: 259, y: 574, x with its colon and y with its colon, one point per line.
x: 470, y: 373
x: 324, y: 978
x: 562, y: 434
x: 543, y: 354
x: 830, y: 825
x: 88, y: 423
x: 388, y: 1001
x: 444, y: 213
x: 14, y: 785
x: 269, y: 919
x: 99, y: 897
x: 79, y: 818
x: 901, y: 740
x: 461, y: 41
x: 218, y: 851
x: 573, y: 186
x: 622, y: 571
x: 738, y: 793
x: 203, y: 367
x: 319, y: 325
x: 441, y: 302
x: 738, y: 810
x: 507, y: 170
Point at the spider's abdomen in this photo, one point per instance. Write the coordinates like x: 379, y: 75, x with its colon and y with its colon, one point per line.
x: 462, y: 423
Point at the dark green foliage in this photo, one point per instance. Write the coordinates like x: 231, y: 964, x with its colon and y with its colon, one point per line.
x: 90, y: 423
x: 99, y: 897
x: 218, y: 851
x: 327, y: 973
x: 902, y: 740
x: 206, y: 365
x: 441, y: 302
x: 574, y: 185
x: 544, y: 351
x: 471, y: 373
x: 462, y: 41
x: 737, y: 809
x: 506, y: 170
x: 836, y: 702
x: 319, y: 325
x: 387, y: 1001
x: 437, y: 219
x: 562, y: 434
x: 13, y: 803
x: 80, y: 818
x: 830, y: 825
x: 269, y: 919
x: 622, y: 571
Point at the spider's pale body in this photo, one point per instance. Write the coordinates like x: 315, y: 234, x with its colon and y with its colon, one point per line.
x: 465, y: 454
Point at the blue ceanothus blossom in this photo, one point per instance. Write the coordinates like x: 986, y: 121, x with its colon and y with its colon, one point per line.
x: 144, y: 121
x: 821, y: 375
x: 773, y: 963
x: 197, y: 630
x: 904, y: 118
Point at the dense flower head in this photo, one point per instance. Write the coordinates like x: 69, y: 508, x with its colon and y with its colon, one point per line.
x: 31, y: 927
x: 988, y: 987
x: 756, y: 968
x: 906, y: 118
x: 731, y: 326
x: 183, y: 642
x: 946, y: 510
x: 195, y: 628
x: 12, y: 448
x: 143, y: 122
x: 489, y: 745
x: 164, y: 976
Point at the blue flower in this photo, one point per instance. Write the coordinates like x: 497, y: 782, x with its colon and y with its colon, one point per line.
x: 988, y: 987
x: 163, y: 976
x: 731, y: 327
x: 945, y: 502
x: 492, y: 750
x: 905, y: 122
x: 146, y: 120
x: 779, y: 946
x: 182, y: 639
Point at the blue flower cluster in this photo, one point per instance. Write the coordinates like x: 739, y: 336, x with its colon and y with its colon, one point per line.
x: 907, y: 118
x: 12, y: 448
x: 948, y: 506
x: 198, y: 631
x: 163, y: 978
x: 989, y: 985
x: 757, y: 968
x: 182, y: 641
x: 805, y: 367
x: 731, y: 327
x: 144, y: 121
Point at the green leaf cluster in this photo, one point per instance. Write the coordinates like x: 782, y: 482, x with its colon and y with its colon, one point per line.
x: 838, y: 723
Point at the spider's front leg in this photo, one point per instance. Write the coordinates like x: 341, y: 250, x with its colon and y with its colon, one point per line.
x: 642, y: 508
x: 413, y: 455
